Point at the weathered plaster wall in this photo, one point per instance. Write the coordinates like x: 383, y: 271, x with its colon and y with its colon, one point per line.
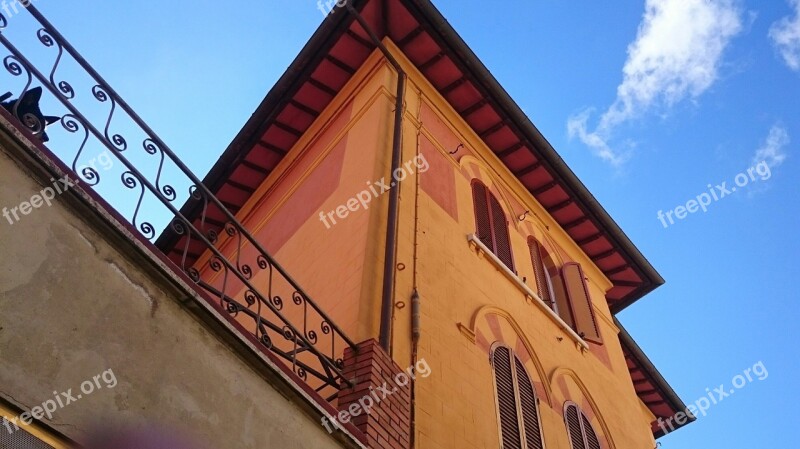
x: 72, y: 306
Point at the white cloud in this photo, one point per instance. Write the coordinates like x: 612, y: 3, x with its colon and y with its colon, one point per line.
x: 785, y: 35
x: 676, y: 55
x: 772, y: 152
x: 576, y: 126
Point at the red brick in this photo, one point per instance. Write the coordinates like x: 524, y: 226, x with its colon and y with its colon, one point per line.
x: 387, y: 426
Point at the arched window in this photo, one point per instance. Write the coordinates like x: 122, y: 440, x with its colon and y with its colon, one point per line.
x: 517, y: 404
x: 565, y: 291
x: 543, y: 273
x: 490, y: 223
x: 580, y: 430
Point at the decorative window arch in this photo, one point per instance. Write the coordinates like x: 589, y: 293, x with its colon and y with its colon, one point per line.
x: 517, y: 404
x: 491, y: 224
x: 580, y: 430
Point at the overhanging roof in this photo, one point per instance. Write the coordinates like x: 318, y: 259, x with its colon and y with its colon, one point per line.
x: 651, y: 387
x: 339, y: 47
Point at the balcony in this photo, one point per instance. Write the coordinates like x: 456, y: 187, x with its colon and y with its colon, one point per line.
x: 77, y: 121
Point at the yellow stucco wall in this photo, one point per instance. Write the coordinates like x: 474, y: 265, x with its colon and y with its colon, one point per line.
x: 467, y: 303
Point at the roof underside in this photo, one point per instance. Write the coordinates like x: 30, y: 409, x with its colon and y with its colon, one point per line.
x: 328, y: 61
x: 650, y: 386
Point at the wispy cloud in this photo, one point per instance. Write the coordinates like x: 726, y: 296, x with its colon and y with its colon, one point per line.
x: 676, y: 55
x: 785, y: 35
x: 773, y: 150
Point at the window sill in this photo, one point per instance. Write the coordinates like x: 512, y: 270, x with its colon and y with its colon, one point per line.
x: 531, y: 296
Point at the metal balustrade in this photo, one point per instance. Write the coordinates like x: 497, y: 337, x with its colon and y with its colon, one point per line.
x: 237, y: 272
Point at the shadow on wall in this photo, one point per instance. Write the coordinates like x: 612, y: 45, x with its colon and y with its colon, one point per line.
x: 147, y: 437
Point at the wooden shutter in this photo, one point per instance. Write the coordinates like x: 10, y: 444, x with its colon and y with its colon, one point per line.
x: 591, y: 438
x: 491, y: 225
x: 580, y: 302
x: 483, y: 224
x: 581, y: 432
x: 506, y: 398
x: 529, y: 407
x: 543, y: 285
x: 520, y: 427
x: 502, y: 242
x: 573, y: 420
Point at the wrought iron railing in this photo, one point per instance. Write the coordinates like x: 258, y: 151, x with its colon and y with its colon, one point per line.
x: 235, y: 272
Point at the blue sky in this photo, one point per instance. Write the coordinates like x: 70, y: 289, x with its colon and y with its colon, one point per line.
x: 649, y: 102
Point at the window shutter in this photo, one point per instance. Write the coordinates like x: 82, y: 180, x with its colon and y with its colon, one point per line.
x: 502, y: 242
x: 482, y: 221
x: 581, y: 432
x: 543, y: 285
x: 490, y: 224
x: 580, y: 302
x: 572, y: 417
x: 591, y: 438
x: 562, y: 301
x: 506, y: 398
x: 529, y: 407
x: 520, y: 426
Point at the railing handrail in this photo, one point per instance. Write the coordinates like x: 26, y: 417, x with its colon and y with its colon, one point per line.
x: 103, y: 92
x: 165, y: 148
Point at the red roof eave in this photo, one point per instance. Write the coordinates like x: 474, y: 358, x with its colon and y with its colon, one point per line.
x: 651, y: 387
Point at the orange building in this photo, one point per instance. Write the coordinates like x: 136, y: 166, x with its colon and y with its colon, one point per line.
x: 401, y: 186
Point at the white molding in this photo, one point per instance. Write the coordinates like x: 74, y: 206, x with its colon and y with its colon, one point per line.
x: 474, y: 240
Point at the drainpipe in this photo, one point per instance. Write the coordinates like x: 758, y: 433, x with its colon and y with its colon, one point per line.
x: 394, y: 195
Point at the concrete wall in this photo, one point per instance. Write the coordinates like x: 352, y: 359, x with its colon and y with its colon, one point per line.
x: 77, y: 300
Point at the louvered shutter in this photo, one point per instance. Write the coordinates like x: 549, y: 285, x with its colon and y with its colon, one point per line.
x: 483, y: 224
x: 502, y: 242
x: 529, y: 407
x: 506, y: 398
x: 591, y: 437
x: 573, y: 419
x: 562, y: 301
x: 581, y: 432
x: 580, y: 302
x: 543, y: 285
x: 490, y: 224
